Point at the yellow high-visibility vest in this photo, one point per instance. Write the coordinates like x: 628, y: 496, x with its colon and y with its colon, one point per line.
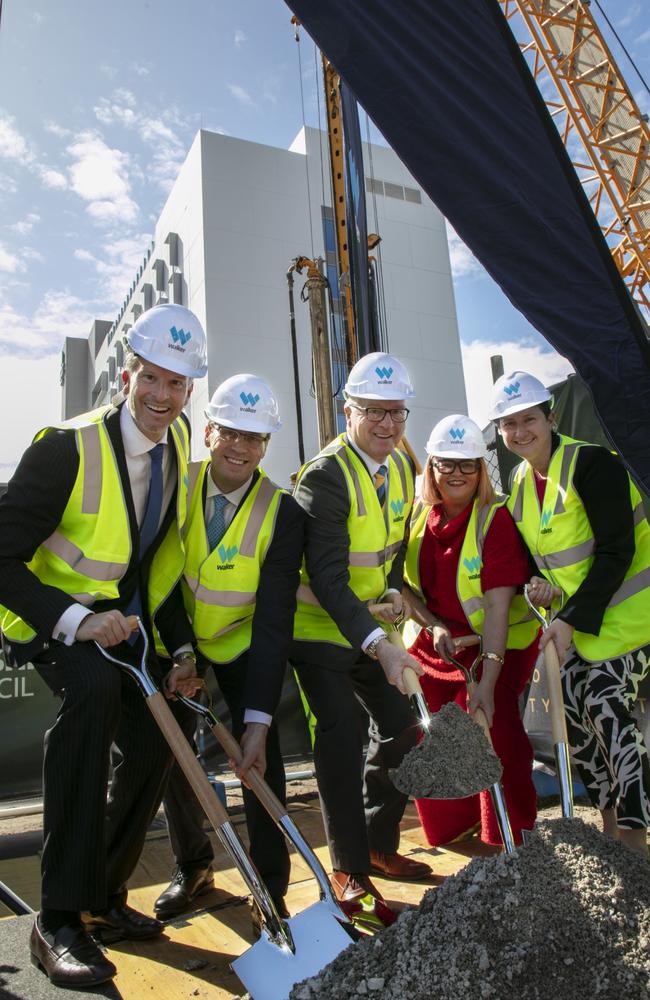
x: 560, y: 539
x: 376, y: 537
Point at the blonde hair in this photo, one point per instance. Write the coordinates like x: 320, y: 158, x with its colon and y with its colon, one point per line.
x: 430, y: 494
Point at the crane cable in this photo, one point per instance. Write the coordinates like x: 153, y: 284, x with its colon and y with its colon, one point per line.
x: 620, y: 42
x: 379, y: 287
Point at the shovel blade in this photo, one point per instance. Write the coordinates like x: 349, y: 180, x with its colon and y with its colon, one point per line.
x: 269, y: 972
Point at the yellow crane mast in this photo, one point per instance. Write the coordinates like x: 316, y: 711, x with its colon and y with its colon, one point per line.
x: 592, y: 103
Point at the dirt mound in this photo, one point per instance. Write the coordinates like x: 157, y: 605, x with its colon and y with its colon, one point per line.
x: 565, y: 918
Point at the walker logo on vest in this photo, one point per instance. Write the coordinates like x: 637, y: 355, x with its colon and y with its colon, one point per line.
x: 397, y: 507
x: 457, y: 433
x: 546, y: 517
x: 511, y: 390
x: 180, y: 339
x: 473, y: 567
x: 249, y: 400
x: 226, y: 555
x: 384, y: 374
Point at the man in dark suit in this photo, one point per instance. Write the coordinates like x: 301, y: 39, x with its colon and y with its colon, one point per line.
x: 358, y: 494
x: 243, y: 549
x: 81, y: 519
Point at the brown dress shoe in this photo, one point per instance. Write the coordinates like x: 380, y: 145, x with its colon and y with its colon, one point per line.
x: 69, y: 957
x: 258, y: 920
x: 348, y: 887
x: 120, y: 922
x: 397, y: 867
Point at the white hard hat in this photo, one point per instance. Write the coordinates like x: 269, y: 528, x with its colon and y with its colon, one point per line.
x: 379, y: 376
x: 456, y: 436
x: 517, y: 391
x: 245, y: 403
x: 170, y: 336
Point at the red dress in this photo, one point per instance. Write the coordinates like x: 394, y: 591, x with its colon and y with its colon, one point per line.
x: 505, y: 564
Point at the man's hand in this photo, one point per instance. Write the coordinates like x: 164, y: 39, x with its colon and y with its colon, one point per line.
x: 182, y: 678
x: 393, y: 661
x: 561, y: 634
x: 443, y: 642
x: 107, y: 628
x: 541, y: 592
x: 393, y: 606
x: 253, y: 744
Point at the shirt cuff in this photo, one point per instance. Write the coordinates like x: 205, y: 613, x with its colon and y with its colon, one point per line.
x: 377, y: 633
x: 252, y: 715
x: 65, y: 629
x: 392, y: 590
x: 186, y: 648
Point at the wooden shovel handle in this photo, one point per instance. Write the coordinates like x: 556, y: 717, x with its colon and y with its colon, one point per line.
x: 411, y: 682
x: 254, y: 779
x: 480, y: 716
x: 188, y: 763
x: 555, y: 696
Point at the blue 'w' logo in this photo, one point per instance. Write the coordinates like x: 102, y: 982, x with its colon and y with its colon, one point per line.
x: 511, y: 389
x: 457, y: 433
x: 226, y: 554
x: 180, y: 336
x: 473, y: 565
x: 397, y: 506
x: 546, y: 517
x: 384, y: 372
x: 248, y: 397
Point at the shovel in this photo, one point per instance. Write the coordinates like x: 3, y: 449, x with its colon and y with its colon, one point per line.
x: 558, y: 719
x: 288, y: 951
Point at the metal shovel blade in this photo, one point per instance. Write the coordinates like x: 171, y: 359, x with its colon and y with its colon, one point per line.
x: 270, y: 973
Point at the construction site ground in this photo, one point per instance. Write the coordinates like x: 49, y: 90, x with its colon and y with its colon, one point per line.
x: 192, y: 958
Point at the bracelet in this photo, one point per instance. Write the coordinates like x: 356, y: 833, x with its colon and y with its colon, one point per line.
x: 493, y: 656
x: 186, y: 656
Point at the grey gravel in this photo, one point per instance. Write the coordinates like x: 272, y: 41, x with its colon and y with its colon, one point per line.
x: 453, y: 760
x: 565, y: 918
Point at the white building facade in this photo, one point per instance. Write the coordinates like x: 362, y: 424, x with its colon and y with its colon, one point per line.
x: 236, y: 217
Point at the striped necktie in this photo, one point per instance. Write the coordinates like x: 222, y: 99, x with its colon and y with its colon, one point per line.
x: 380, y: 483
x: 216, y: 527
x: 151, y: 519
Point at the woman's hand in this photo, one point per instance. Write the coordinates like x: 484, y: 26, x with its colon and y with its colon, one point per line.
x: 483, y: 697
x: 443, y: 642
x: 541, y: 592
x: 561, y: 634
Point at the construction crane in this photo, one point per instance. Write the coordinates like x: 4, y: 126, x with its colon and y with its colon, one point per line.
x: 601, y: 125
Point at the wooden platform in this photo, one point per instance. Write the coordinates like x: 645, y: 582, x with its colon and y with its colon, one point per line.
x: 192, y: 958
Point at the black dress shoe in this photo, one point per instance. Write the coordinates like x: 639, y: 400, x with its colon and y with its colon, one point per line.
x: 120, y: 922
x: 258, y: 919
x: 69, y: 957
x: 186, y: 884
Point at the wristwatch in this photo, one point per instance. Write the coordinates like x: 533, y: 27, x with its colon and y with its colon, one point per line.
x: 371, y: 648
x: 185, y: 656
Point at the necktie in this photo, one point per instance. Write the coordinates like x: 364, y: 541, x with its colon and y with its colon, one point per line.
x: 380, y: 483
x: 216, y: 527
x: 151, y: 519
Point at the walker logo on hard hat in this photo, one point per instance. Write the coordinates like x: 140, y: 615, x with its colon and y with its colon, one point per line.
x: 545, y: 518
x: 384, y: 374
x: 473, y: 567
x: 180, y: 336
x: 457, y: 433
x: 226, y: 555
x: 248, y: 397
x: 512, y: 389
x: 397, y: 507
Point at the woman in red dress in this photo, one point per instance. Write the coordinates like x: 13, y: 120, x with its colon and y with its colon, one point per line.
x: 464, y: 567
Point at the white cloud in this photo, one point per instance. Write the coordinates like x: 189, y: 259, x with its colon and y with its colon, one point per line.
x: 41, y: 375
x: 9, y: 262
x: 7, y: 184
x: 547, y: 365
x: 59, y: 314
x: 633, y: 12
x: 241, y: 95
x: 12, y: 144
x: 240, y: 37
x: 100, y: 176
x: 463, y: 262
x: 55, y: 129
x: 25, y: 226
x: 142, y: 69
x: 117, y: 267
x: 51, y: 178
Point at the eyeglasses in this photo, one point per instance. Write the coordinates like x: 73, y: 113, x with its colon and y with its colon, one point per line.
x: 375, y: 414
x: 231, y: 436
x: 468, y: 466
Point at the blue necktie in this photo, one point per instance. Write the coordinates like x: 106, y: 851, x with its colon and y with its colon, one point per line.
x: 380, y: 483
x: 151, y: 519
x: 216, y: 527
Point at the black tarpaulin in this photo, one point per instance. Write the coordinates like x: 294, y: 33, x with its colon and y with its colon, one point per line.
x: 447, y: 86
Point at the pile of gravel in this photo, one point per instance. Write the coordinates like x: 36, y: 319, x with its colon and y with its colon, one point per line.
x: 453, y: 760
x: 565, y: 918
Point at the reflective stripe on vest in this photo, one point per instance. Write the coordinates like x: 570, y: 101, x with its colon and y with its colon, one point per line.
x: 522, y: 627
x: 222, y: 616
x: 560, y: 539
x: 376, y: 536
x: 90, y: 550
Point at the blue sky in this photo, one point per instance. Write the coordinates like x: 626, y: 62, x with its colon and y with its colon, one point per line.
x: 99, y: 103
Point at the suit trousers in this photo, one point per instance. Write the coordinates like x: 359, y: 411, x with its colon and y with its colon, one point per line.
x: 362, y: 809
x: 185, y: 818
x: 91, y: 843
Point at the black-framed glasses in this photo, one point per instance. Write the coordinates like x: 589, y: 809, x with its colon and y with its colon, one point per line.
x: 375, y: 414
x: 231, y: 436
x: 468, y: 466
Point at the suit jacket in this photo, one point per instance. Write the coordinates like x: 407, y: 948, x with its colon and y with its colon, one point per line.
x: 275, y: 606
x: 323, y: 494
x: 32, y: 509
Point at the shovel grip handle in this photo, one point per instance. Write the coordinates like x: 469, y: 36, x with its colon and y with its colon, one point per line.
x: 254, y: 779
x: 187, y: 761
x: 411, y: 682
x: 480, y: 716
x: 555, y: 696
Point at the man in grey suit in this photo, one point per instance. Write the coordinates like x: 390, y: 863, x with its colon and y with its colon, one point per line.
x: 358, y: 493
